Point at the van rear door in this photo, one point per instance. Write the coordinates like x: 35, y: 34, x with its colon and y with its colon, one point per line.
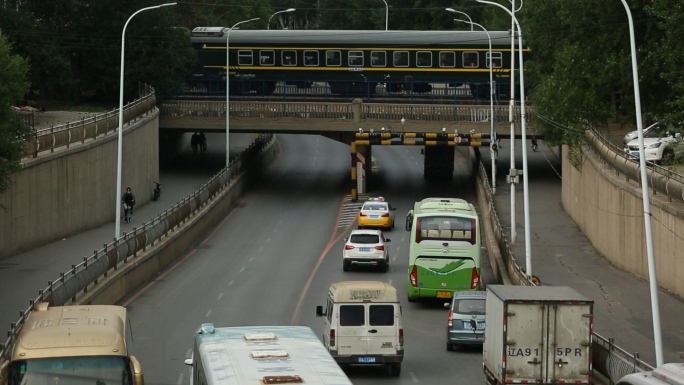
x: 352, y: 332
x: 383, y: 326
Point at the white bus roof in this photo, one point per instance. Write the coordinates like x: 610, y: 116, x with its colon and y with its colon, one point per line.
x: 266, y: 355
x: 363, y: 291
x: 435, y: 205
x: 69, y: 331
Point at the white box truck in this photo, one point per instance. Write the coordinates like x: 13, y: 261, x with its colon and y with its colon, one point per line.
x: 537, y: 335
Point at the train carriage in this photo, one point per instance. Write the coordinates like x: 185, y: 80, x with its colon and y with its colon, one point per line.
x: 350, y: 62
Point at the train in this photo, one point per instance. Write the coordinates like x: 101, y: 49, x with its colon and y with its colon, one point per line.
x: 350, y: 62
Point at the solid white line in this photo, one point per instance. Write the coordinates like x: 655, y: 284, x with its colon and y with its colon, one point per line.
x: 208, y: 314
x: 219, y: 297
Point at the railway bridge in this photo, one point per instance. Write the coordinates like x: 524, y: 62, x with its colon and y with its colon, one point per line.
x: 438, y: 127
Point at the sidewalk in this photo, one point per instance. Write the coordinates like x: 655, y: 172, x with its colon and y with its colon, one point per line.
x: 22, y: 275
x: 562, y: 256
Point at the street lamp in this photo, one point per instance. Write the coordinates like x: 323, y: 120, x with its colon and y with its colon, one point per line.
x: 117, y: 226
x: 470, y: 21
x: 528, y: 246
x: 491, y: 95
x: 268, y: 26
x: 653, y: 284
x: 386, y: 15
x: 228, y: 88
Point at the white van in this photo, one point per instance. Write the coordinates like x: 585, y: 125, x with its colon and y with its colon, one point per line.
x: 363, y: 324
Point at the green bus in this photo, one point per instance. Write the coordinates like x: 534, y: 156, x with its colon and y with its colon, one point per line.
x: 444, y: 248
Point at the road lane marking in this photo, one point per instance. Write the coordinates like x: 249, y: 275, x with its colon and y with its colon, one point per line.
x: 208, y: 314
x: 219, y: 297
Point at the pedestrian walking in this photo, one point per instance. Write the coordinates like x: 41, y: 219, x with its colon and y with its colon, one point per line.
x: 202, y: 142
x: 194, y: 142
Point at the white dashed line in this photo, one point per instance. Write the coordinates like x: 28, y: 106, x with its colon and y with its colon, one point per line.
x: 219, y: 297
x: 208, y: 314
x: 230, y: 283
x: 242, y: 269
x: 180, y: 378
x: 413, y: 377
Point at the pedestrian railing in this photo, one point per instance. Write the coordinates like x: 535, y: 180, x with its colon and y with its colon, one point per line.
x: 55, y: 137
x: 111, y: 257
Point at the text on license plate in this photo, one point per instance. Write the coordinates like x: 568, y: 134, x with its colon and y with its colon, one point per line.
x: 635, y: 153
x: 443, y: 294
x: 480, y: 325
x: 374, y: 216
x: 364, y: 248
x: 366, y: 359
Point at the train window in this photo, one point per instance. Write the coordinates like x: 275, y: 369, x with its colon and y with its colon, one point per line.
x: 447, y: 59
x: 424, y: 58
x: 310, y: 58
x: 245, y: 57
x: 495, y: 60
x: 289, y: 57
x: 471, y: 59
x: 355, y: 58
x: 267, y: 57
x: 378, y: 58
x: 333, y: 58
x: 401, y: 59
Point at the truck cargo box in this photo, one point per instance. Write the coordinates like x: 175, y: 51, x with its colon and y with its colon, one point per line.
x: 537, y: 335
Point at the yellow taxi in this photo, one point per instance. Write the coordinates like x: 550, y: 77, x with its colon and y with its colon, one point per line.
x: 376, y: 212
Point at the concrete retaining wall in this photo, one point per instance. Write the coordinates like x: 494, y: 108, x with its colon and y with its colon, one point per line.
x: 609, y: 210
x: 74, y: 189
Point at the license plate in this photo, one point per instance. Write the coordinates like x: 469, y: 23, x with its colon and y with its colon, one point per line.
x: 374, y: 216
x: 635, y: 154
x: 480, y: 325
x: 443, y: 294
x: 364, y: 248
x: 366, y: 359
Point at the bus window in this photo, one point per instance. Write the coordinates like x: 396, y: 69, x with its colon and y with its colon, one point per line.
x: 245, y: 57
x: 289, y: 57
x: 333, y: 58
x: 471, y: 59
x: 355, y: 58
x: 447, y: 59
x: 401, y: 59
x: 424, y: 59
x: 311, y: 58
x: 378, y: 58
x: 267, y: 58
x: 495, y: 59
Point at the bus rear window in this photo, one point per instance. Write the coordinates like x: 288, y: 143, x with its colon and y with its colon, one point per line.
x: 446, y: 229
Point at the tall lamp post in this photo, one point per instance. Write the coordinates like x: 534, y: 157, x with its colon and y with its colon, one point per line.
x: 228, y: 87
x: 528, y: 246
x: 491, y: 93
x: 653, y: 282
x: 269, y: 19
x: 386, y: 15
x: 117, y: 226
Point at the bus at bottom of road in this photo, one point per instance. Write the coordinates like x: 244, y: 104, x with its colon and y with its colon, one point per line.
x: 260, y: 355
x: 444, y: 248
x: 74, y: 345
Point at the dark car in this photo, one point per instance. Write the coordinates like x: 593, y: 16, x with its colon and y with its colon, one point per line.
x: 466, y: 322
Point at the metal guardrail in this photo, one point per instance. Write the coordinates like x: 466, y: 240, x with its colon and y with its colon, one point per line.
x: 608, y: 359
x: 354, y: 111
x: 112, y: 255
x: 64, y: 135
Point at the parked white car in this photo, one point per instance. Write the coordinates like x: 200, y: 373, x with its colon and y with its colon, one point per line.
x: 660, y: 145
x: 630, y: 136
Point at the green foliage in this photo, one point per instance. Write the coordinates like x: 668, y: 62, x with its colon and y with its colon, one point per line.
x: 13, y: 87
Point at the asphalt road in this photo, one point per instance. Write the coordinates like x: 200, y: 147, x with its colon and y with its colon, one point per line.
x: 273, y: 257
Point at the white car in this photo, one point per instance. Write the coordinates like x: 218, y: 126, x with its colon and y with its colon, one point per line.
x: 630, y: 136
x: 657, y: 145
x: 366, y: 247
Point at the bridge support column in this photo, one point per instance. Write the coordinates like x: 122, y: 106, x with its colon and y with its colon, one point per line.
x: 363, y: 155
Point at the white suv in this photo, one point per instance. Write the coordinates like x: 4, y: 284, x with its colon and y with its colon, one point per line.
x: 660, y: 145
x: 366, y: 247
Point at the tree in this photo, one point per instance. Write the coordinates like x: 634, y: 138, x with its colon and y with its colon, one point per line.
x: 13, y: 88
